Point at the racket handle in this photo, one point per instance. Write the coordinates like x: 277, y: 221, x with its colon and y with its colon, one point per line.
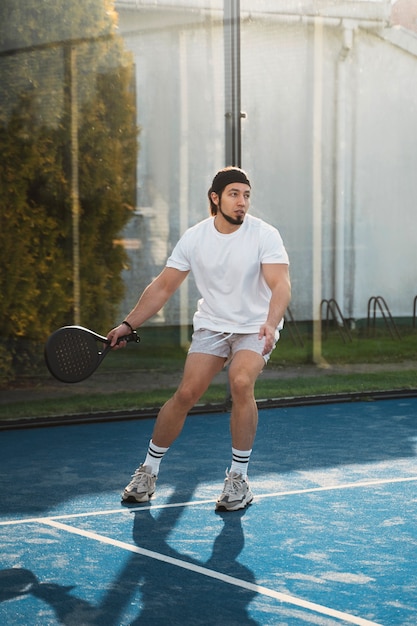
x: 133, y: 336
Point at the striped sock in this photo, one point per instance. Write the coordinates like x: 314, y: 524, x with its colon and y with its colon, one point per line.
x: 240, y: 461
x: 154, y: 457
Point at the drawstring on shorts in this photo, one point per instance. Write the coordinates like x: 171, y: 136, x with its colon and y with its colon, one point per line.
x: 216, y: 343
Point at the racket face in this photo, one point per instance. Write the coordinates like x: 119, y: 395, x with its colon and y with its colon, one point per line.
x: 72, y: 354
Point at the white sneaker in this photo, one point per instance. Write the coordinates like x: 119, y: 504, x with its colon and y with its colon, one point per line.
x: 141, y: 487
x: 236, y: 493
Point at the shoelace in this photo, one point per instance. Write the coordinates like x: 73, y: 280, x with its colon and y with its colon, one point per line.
x: 140, y: 478
x: 232, y: 483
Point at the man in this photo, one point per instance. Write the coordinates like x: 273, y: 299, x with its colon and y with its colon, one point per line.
x: 240, y: 268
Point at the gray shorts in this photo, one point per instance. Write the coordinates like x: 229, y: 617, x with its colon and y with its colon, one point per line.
x: 227, y: 344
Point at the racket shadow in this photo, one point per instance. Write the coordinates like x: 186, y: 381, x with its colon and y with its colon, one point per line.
x: 16, y: 583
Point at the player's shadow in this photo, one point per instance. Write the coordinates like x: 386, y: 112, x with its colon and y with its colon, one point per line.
x: 172, y: 594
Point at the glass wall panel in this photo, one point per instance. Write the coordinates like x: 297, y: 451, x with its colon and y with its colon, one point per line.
x: 179, y: 63
x: 112, y: 124
x: 329, y: 137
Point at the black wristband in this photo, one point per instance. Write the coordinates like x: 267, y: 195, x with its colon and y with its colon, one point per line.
x: 129, y: 325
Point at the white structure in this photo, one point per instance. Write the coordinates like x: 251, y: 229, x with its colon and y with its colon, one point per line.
x: 329, y: 139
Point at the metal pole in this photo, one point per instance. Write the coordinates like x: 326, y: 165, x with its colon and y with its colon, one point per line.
x: 232, y: 82
x: 317, y: 191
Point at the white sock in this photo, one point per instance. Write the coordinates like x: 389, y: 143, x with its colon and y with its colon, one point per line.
x: 240, y: 461
x: 154, y: 457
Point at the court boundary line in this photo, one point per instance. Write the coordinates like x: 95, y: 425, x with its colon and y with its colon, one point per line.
x: 204, y: 571
x: 170, y: 505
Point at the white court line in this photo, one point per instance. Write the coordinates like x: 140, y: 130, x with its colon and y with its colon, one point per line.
x: 153, y: 507
x: 121, y: 510
x: 367, y: 483
x: 198, y: 569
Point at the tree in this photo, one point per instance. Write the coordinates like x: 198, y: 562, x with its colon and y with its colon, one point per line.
x: 36, y: 245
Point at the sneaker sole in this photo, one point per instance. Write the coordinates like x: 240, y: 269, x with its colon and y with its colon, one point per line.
x: 239, y: 505
x: 131, y: 497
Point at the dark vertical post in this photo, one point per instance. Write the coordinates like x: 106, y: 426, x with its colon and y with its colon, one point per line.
x: 75, y: 199
x: 70, y: 53
x: 232, y: 82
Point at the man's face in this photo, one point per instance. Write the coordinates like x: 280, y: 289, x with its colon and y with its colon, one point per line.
x: 234, y: 203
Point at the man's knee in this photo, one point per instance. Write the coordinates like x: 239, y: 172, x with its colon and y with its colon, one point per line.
x: 241, y: 383
x: 187, y: 395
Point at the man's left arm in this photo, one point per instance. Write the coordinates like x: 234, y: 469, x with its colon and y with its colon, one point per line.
x: 277, y: 278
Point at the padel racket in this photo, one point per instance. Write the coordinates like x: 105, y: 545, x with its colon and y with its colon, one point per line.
x: 72, y: 353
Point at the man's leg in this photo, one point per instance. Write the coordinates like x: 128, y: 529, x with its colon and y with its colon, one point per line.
x: 243, y: 372
x: 199, y: 371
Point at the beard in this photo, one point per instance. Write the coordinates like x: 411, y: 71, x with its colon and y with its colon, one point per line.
x: 236, y: 221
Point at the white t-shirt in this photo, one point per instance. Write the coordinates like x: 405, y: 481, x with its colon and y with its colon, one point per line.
x: 227, y: 271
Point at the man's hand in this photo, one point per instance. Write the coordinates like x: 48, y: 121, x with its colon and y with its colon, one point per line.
x: 267, y: 332
x: 114, y: 335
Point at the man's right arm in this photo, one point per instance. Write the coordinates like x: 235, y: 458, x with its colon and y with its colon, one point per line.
x: 153, y: 298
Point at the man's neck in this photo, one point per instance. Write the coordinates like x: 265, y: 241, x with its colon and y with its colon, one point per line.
x: 224, y: 227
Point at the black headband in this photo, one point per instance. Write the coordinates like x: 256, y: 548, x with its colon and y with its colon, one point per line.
x: 226, y: 177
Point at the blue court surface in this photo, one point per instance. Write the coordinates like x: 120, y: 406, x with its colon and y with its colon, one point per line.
x: 330, y: 539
